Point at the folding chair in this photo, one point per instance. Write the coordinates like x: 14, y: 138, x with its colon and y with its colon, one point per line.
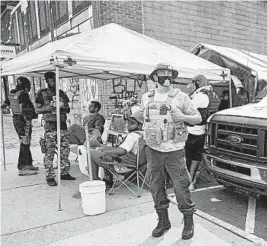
x: 138, y: 172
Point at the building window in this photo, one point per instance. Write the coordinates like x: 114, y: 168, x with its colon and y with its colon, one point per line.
x: 60, y: 12
x: 14, y: 31
x: 21, y: 29
x: 5, y: 21
x: 32, y: 22
x: 78, y: 6
x: 44, y: 15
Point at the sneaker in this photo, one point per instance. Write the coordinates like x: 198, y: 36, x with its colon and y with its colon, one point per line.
x: 26, y: 172
x: 51, y: 182
x: 191, y: 187
x: 67, y: 177
x: 31, y: 167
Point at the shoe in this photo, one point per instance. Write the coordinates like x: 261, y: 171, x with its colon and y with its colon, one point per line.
x: 188, y: 231
x: 31, y: 167
x: 26, y: 172
x: 67, y: 177
x: 191, y: 187
x: 164, y: 223
x: 51, y: 182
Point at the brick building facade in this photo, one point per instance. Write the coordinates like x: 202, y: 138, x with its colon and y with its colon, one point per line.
x: 236, y: 24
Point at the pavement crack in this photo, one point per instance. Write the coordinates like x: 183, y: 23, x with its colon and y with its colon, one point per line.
x: 23, y: 186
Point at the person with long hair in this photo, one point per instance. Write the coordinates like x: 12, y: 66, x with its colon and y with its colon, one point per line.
x: 23, y: 113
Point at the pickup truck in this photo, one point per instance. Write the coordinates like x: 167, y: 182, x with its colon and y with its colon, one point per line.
x: 236, y: 146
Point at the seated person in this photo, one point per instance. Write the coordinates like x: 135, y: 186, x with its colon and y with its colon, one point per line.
x: 126, y: 152
x: 94, y: 120
x: 224, y: 104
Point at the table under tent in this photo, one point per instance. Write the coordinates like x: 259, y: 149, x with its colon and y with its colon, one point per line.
x: 106, y: 53
x: 247, y: 68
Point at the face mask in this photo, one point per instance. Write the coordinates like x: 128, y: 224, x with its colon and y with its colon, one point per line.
x: 163, y: 79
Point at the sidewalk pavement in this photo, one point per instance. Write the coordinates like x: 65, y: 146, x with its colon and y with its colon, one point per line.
x: 30, y: 214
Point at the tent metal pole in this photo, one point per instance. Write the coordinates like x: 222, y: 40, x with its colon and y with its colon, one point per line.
x: 2, y: 126
x: 58, y: 137
x: 88, y: 153
x: 230, y: 93
x: 256, y: 84
x: 146, y: 84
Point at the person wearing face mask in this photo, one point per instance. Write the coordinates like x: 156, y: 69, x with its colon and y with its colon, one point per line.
x: 23, y: 113
x: 207, y: 102
x: 45, y: 103
x: 166, y: 110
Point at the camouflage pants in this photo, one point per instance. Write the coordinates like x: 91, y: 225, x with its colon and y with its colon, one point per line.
x: 50, y: 144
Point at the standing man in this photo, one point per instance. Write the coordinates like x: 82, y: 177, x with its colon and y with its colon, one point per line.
x: 206, y: 101
x: 165, y: 112
x: 23, y: 113
x: 45, y: 103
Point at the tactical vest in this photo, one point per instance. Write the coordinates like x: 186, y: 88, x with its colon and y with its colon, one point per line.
x: 214, y: 102
x: 51, y: 116
x: 14, y: 102
x: 157, y: 129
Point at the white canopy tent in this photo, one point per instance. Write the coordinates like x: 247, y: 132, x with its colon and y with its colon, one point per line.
x: 108, y: 52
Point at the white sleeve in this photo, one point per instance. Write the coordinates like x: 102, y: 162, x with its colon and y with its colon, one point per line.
x: 129, y: 142
x: 200, y: 100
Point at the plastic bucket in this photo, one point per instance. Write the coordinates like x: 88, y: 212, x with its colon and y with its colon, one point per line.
x: 93, y: 197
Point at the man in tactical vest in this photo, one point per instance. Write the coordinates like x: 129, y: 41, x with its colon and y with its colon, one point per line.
x: 23, y: 113
x: 45, y: 103
x: 207, y: 102
x: 165, y: 111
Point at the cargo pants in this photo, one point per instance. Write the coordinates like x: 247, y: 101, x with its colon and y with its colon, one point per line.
x: 23, y: 128
x: 175, y: 164
x: 50, y: 138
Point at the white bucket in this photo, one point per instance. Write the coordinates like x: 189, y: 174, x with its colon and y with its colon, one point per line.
x: 93, y: 197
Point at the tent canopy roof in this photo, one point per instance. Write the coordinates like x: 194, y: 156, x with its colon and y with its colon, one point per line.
x: 246, y: 60
x: 108, y: 52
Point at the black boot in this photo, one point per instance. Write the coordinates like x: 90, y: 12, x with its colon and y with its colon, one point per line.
x: 188, y: 231
x: 164, y: 223
x: 51, y: 182
x: 31, y: 167
x: 67, y: 177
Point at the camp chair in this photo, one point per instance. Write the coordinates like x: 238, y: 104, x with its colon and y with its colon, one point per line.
x: 137, y: 172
